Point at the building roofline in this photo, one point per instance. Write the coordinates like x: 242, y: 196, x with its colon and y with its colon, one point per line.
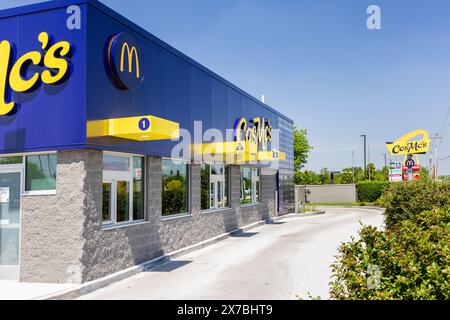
x: 55, y: 4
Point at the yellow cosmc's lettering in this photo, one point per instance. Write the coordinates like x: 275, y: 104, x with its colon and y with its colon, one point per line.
x: 5, y: 53
x: 259, y: 134
x: 18, y: 84
x: 406, y: 145
x: 53, y: 59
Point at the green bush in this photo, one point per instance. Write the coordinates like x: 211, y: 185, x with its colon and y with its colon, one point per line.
x: 370, y: 191
x: 409, y: 262
x: 404, y: 200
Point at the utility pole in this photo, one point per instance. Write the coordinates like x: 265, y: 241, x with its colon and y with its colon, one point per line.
x: 368, y: 160
x: 364, y: 136
x: 353, y: 165
x: 436, y: 138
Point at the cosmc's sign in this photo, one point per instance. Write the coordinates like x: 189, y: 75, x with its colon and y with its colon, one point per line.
x: 257, y: 131
x: 405, y: 145
x: 125, y: 61
x: 53, y: 57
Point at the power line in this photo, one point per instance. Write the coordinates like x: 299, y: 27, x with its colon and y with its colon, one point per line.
x: 445, y: 125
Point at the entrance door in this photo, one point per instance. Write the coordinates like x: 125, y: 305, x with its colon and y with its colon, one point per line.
x: 217, y: 190
x: 9, y: 224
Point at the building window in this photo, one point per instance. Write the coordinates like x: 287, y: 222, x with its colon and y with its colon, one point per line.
x: 250, y: 185
x: 214, y: 186
x: 40, y: 172
x: 123, y: 189
x: 175, y: 187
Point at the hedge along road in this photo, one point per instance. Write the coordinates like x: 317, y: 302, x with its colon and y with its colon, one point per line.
x: 289, y: 259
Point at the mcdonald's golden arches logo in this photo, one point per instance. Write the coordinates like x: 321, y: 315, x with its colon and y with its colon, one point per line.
x: 125, y: 61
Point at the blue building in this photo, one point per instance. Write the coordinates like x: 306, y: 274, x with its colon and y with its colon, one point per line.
x: 116, y: 148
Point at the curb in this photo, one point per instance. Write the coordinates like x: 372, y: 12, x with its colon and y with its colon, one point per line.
x: 302, y: 215
x: 353, y: 207
x: 88, y: 287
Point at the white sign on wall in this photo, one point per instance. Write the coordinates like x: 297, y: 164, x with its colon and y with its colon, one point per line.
x: 4, y: 195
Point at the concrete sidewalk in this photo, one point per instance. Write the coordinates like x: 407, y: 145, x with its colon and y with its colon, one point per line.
x: 302, y: 266
x: 13, y: 290
x: 288, y: 259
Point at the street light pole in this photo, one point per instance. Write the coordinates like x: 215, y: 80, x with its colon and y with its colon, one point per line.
x: 364, y: 136
x: 385, y: 159
x: 353, y: 165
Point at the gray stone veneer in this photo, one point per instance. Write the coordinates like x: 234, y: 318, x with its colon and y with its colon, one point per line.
x: 62, y: 235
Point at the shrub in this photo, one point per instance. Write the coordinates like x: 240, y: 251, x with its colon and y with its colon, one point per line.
x: 404, y: 200
x: 410, y: 262
x: 370, y: 191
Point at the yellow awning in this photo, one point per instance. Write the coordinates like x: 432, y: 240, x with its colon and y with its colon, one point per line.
x: 271, y: 156
x: 224, y: 148
x: 232, y: 152
x: 237, y: 152
x: 143, y: 128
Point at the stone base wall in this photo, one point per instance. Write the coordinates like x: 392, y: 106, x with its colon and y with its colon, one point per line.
x: 62, y: 235
x: 52, y: 226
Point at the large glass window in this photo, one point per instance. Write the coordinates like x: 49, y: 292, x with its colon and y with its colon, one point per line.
x: 175, y: 187
x: 250, y: 185
x: 214, y: 185
x: 123, y: 189
x: 40, y: 172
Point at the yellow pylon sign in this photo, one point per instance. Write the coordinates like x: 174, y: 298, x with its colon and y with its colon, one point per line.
x: 406, y: 145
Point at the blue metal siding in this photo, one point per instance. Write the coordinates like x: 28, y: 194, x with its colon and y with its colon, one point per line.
x: 286, y: 171
x: 49, y: 117
x: 175, y: 87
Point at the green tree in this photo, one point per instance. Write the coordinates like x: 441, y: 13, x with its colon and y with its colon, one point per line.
x: 424, y: 173
x: 370, y: 171
x: 306, y: 177
x: 343, y: 178
x: 324, y: 176
x: 302, y: 148
x: 381, y: 175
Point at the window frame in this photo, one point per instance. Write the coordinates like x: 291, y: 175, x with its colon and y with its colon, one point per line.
x: 22, y: 166
x: 112, y: 177
x: 26, y: 192
x: 226, y: 203
x: 255, y: 178
x: 188, y: 163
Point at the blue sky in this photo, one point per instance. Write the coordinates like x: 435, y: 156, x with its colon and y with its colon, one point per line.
x: 316, y: 61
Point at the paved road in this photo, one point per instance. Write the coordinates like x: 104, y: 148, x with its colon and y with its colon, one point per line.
x: 286, y: 260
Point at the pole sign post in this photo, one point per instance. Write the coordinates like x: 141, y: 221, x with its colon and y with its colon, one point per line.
x: 395, y: 172
x: 410, y: 163
x: 410, y: 145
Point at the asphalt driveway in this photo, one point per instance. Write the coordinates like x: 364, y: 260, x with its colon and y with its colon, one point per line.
x: 289, y: 259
